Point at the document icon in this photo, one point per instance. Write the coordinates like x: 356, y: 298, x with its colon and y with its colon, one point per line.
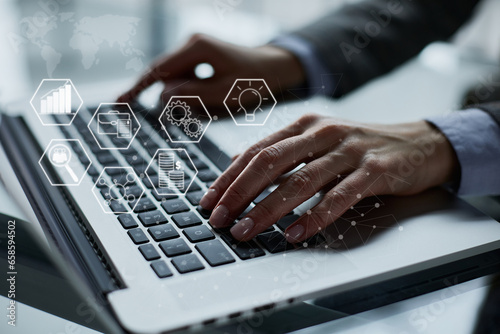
x: 114, y: 123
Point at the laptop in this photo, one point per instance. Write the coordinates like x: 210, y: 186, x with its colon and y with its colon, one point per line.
x: 161, y: 267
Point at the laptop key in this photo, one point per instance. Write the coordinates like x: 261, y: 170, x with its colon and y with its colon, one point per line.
x: 149, y: 252
x: 135, y: 191
x: 108, y: 194
x: 137, y: 236
x: 274, y: 242
x: 199, y: 164
x: 214, y: 252
x: 142, y: 205
x: 192, y: 187
x: 186, y: 219
x: 195, y: 197
x: 286, y: 221
x: 187, y: 263
x: 207, y: 175
x: 198, y: 233
x: 175, y: 247
x: 244, y: 250
x: 163, y: 232
x: 117, y: 207
x: 175, y: 206
x: 203, y: 212
x: 161, y: 269
x: 92, y: 171
x: 166, y: 194
x: 151, y: 218
x: 127, y: 221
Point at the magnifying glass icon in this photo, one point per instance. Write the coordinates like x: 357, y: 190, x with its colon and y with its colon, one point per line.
x: 60, y: 156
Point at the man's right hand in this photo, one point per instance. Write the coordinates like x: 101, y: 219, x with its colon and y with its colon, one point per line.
x: 279, y: 67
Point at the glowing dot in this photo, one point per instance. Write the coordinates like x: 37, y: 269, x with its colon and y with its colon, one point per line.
x: 304, y: 244
x: 134, y: 157
x: 319, y: 228
x: 374, y: 226
x: 329, y: 212
x: 270, y: 166
x: 367, y: 173
x: 353, y: 223
x: 317, y: 195
x: 362, y: 215
x: 294, y: 161
x: 309, y: 212
x: 401, y: 228
x: 310, y: 154
x: 341, y: 237
x: 358, y: 195
x: 215, y: 118
x: 284, y: 199
x: 352, y: 208
x: 338, y: 175
x: 377, y: 205
x: 284, y: 255
x: 326, y: 246
x: 340, y: 139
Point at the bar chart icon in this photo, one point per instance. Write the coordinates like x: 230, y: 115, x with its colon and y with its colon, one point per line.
x: 57, y: 100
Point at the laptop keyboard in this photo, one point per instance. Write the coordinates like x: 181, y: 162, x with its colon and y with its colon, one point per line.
x: 171, y: 231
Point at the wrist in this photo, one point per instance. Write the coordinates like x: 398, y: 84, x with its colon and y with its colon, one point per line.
x: 282, y: 64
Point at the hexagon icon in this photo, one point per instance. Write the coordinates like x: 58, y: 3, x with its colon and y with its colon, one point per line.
x: 114, y: 126
x: 60, y: 155
x: 118, y: 190
x: 56, y: 102
x: 247, y: 100
x: 171, y: 172
x: 185, y: 119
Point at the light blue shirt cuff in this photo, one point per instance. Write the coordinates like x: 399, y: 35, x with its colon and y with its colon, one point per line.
x: 319, y: 81
x: 475, y: 137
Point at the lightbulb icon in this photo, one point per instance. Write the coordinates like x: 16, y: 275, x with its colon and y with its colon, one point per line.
x: 252, y: 98
x: 250, y: 101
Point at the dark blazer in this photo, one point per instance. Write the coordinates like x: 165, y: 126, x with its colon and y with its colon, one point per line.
x: 370, y: 38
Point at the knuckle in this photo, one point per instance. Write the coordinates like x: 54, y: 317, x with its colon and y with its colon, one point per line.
x: 252, y: 152
x: 339, y: 200
x: 268, y: 156
x: 374, y: 165
x: 301, y: 181
x: 306, y: 120
x: 236, y: 193
x: 197, y: 37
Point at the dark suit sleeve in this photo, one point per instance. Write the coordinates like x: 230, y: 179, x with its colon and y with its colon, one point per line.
x: 492, y: 108
x: 364, y: 40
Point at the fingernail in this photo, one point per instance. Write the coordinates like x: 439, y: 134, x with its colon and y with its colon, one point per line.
x: 294, y: 233
x: 206, y: 202
x: 219, y: 217
x: 243, y: 228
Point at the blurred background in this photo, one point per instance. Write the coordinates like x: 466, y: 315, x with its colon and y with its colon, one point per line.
x: 93, y: 40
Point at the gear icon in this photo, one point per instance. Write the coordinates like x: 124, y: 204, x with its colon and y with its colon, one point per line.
x: 178, y: 113
x: 193, y: 127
